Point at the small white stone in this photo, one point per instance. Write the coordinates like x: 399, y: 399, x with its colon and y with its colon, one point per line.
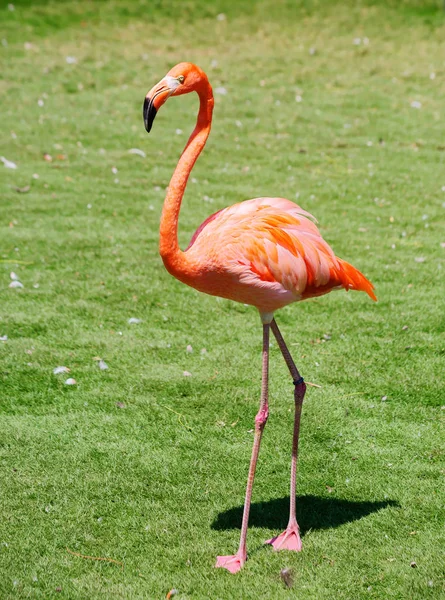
x: 186, y: 374
x: 8, y: 163
x: 416, y: 104
x: 13, y: 276
x: 71, y: 60
x: 221, y: 91
x: 221, y: 17
x: 357, y: 41
x: 35, y: 176
x: 70, y: 381
x: 114, y: 170
x: 178, y: 131
x: 138, y: 152
x: 89, y: 206
x: 432, y: 76
x: 189, y: 349
x: 11, y: 7
x: 3, y: 338
x: 133, y: 320
x: 298, y: 98
x: 15, y: 284
x: 312, y: 51
x: 102, y: 365
x: 58, y: 370
x: 420, y: 259
x: 40, y: 102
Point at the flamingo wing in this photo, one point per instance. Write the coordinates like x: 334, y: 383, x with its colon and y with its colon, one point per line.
x: 273, y: 243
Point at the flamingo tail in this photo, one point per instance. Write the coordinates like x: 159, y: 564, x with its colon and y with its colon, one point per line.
x: 352, y: 279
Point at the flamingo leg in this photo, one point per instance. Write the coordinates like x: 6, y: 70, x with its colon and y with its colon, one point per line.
x: 235, y: 562
x: 290, y: 538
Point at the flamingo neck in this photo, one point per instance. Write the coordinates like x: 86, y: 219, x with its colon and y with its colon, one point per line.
x: 174, y: 259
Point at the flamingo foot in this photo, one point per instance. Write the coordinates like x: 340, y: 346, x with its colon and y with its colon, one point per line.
x: 288, y: 540
x: 233, y: 563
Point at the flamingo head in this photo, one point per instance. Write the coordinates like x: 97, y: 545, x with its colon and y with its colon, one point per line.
x: 181, y: 79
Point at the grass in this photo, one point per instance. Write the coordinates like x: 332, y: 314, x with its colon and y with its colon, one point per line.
x: 139, y: 463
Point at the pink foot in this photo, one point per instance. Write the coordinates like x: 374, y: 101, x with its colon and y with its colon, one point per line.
x: 232, y: 563
x: 288, y: 540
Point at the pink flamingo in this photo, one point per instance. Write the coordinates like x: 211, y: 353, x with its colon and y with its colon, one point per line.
x: 265, y: 252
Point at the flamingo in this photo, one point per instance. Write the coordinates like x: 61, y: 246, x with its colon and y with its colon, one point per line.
x: 265, y: 252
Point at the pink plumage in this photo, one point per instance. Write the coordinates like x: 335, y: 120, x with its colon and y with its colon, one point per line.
x: 267, y: 252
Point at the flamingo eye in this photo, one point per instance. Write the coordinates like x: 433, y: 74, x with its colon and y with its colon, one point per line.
x: 181, y: 78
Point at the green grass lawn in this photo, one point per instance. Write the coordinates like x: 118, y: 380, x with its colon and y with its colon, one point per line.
x: 338, y: 106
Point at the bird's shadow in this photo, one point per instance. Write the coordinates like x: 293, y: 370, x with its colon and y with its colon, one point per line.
x: 313, y: 512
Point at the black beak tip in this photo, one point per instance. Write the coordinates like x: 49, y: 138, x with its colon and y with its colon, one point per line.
x: 149, y: 113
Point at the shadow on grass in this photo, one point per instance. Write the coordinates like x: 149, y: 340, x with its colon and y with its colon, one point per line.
x: 313, y: 512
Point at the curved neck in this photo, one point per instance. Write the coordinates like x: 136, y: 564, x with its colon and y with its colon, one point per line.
x: 169, y: 249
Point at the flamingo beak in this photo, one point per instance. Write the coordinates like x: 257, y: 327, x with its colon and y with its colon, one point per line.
x: 156, y: 98
x: 149, y: 112
x: 153, y: 102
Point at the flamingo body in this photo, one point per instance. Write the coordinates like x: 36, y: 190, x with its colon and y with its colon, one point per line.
x: 266, y: 252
